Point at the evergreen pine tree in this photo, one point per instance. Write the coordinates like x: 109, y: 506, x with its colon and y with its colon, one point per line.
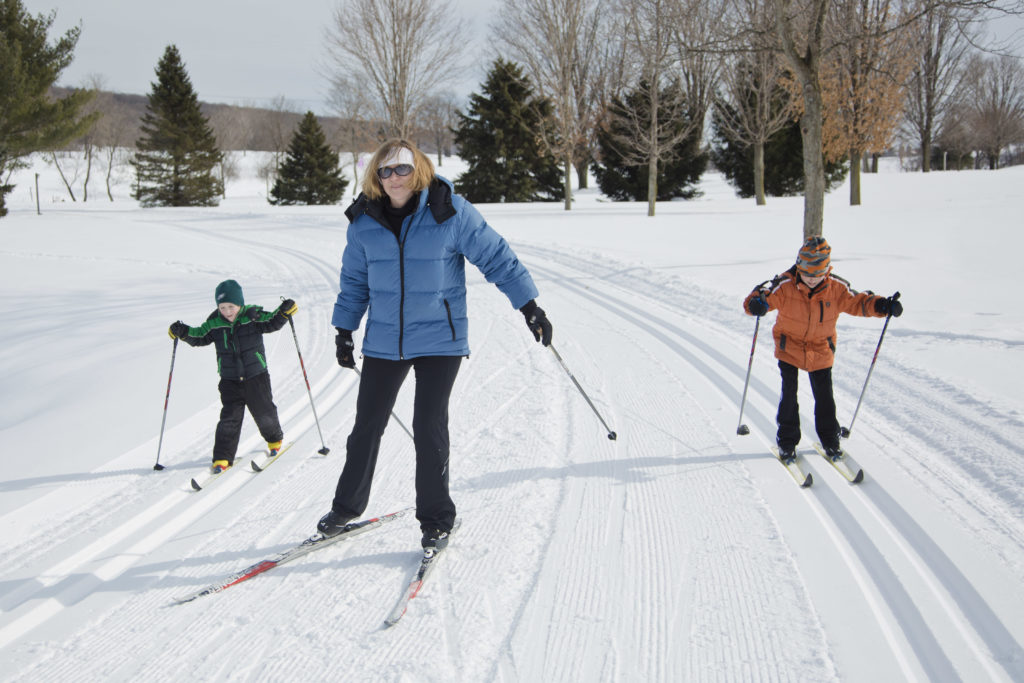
x: 310, y: 173
x: 677, y: 177
x: 29, y: 120
x: 500, y: 140
x: 783, y: 162
x: 177, y: 152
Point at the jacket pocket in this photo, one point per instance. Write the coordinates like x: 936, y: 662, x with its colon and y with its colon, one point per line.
x: 782, y: 342
x: 831, y: 345
x: 261, y: 359
x: 448, y: 311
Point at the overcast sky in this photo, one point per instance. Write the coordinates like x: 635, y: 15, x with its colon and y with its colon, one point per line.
x: 236, y: 51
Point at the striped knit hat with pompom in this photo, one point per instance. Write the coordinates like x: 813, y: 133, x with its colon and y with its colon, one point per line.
x: 814, y: 257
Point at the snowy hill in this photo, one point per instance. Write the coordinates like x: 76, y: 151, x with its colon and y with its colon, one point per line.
x: 680, y: 551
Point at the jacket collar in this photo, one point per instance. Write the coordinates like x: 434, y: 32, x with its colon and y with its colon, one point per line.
x: 437, y: 197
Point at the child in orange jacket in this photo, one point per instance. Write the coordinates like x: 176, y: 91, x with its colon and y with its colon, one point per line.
x: 809, y: 299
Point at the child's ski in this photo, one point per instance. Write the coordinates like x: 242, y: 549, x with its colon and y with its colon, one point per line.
x: 844, y: 464
x: 265, y: 463
x: 202, y: 481
x: 795, y: 469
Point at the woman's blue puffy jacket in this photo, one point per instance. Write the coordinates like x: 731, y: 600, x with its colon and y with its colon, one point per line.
x: 414, y: 284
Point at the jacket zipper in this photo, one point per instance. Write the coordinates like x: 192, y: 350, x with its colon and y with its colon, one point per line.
x: 451, y: 325
x: 401, y: 277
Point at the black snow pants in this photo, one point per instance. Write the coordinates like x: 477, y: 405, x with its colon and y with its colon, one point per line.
x: 235, y: 396
x: 788, y: 418
x: 378, y: 388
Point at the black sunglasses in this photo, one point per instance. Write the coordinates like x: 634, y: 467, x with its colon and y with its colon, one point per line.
x: 402, y: 170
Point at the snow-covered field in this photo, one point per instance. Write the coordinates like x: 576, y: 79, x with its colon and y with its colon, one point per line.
x: 679, y: 552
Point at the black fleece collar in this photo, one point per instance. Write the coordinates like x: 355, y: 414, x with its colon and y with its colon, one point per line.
x: 439, y: 201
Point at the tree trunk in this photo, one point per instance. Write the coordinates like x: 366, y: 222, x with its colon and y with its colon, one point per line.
x: 926, y: 151
x: 53, y: 155
x: 855, y: 158
x: 110, y: 171
x: 759, y: 173
x: 568, y: 180
x: 88, y: 173
x: 814, y: 163
x: 582, y: 171
x: 652, y: 184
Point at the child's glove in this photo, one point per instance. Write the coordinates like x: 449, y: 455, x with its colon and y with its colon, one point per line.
x: 346, y: 348
x: 757, y: 306
x: 288, y: 308
x: 888, y: 307
x: 537, y: 322
x: 178, y: 330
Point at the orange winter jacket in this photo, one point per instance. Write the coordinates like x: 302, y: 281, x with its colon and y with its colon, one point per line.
x: 805, y: 329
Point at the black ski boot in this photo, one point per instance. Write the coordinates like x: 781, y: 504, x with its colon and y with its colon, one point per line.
x: 434, y: 539
x: 332, y: 523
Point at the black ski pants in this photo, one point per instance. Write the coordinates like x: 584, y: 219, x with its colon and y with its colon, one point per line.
x: 788, y: 418
x: 378, y: 388
x: 235, y: 396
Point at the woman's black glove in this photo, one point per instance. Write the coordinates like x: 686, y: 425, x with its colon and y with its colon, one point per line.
x: 537, y: 322
x: 346, y: 348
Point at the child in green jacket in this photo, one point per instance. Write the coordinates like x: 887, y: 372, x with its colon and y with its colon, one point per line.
x: 236, y: 331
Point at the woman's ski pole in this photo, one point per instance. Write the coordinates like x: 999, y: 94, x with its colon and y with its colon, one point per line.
x: 167, y: 398
x: 324, y: 450
x: 845, y: 431
x: 400, y: 423
x: 611, y: 435
x: 740, y: 427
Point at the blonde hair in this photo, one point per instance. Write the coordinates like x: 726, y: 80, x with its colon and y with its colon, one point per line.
x: 422, y: 174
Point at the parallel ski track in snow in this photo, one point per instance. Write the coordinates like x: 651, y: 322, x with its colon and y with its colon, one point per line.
x: 32, y: 602
x: 555, y: 586
x: 894, y: 599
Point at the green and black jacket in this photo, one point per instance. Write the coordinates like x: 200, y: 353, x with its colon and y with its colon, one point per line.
x: 240, y: 352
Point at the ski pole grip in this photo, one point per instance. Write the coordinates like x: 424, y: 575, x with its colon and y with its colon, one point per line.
x: 894, y: 296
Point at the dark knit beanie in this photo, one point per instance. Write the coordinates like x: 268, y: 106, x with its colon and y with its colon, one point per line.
x: 229, y: 292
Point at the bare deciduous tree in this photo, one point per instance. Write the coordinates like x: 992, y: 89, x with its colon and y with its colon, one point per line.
x: 650, y: 135
x: 352, y: 106
x: 402, y: 50
x: 996, y: 104
x: 753, y: 104
x: 232, y: 132
x: 554, y: 40
x: 437, y: 117
x: 939, y: 43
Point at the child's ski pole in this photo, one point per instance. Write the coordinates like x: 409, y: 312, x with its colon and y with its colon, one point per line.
x: 845, y: 431
x: 167, y: 398
x: 324, y: 450
x: 740, y: 427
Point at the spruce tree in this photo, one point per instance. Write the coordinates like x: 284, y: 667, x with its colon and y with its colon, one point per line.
x: 783, y: 162
x: 622, y: 181
x: 500, y: 140
x: 177, y: 152
x: 29, y: 120
x: 310, y: 173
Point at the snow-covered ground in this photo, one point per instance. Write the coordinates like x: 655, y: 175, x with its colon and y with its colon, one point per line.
x: 680, y: 551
